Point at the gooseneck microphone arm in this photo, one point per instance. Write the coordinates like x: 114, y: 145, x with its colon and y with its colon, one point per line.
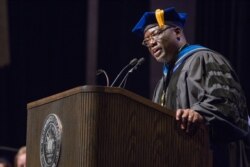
x: 131, y: 63
x: 101, y: 71
x: 139, y: 62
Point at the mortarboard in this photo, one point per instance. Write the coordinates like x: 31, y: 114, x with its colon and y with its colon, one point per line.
x: 169, y: 15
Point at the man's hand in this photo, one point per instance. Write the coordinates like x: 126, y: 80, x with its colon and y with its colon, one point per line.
x: 188, y: 118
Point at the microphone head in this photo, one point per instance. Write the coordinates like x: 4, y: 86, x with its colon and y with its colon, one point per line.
x: 133, y: 61
x: 141, y: 60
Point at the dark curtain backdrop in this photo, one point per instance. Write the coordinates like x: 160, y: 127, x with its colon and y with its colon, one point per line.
x: 223, y: 25
x: 117, y: 45
x: 48, y: 39
x: 47, y: 45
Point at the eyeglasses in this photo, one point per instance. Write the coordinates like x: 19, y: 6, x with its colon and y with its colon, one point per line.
x: 154, y: 35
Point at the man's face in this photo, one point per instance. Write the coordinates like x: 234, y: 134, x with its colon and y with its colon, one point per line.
x: 162, y: 43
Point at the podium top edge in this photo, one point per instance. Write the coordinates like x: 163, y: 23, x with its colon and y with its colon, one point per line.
x: 103, y: 89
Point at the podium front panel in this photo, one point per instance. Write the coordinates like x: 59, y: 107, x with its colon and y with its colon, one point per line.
x: 106, y: 128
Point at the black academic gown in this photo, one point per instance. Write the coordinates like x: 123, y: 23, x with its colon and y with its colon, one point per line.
x: 206, y: 83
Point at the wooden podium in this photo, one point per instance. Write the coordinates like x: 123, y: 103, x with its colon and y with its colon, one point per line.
x: 113, y: 127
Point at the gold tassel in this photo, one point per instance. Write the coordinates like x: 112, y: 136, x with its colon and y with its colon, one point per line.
x: 159, y: 14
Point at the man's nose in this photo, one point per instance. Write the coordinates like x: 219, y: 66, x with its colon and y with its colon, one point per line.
x: 151, y: 41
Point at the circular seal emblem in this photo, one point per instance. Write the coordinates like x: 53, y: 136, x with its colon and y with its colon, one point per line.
x: 50, y: 142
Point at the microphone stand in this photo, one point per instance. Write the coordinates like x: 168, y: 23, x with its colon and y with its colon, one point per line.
x: 132, y: 62
x: 140, y: 61
x: 101, y: 71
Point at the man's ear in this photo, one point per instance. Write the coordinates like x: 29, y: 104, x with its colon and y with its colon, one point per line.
x: 178, y: 31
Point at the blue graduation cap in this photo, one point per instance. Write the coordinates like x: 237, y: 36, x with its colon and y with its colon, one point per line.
x: 170, y: 15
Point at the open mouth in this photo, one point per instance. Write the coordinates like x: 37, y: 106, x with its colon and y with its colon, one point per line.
x: 156, y: 52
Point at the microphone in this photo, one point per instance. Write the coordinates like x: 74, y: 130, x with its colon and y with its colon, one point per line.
x: 139, y: 62
x: 101, y: 71
x: 131, y: 63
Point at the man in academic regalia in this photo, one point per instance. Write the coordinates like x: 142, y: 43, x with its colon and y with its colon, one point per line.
x: 200, y: 85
